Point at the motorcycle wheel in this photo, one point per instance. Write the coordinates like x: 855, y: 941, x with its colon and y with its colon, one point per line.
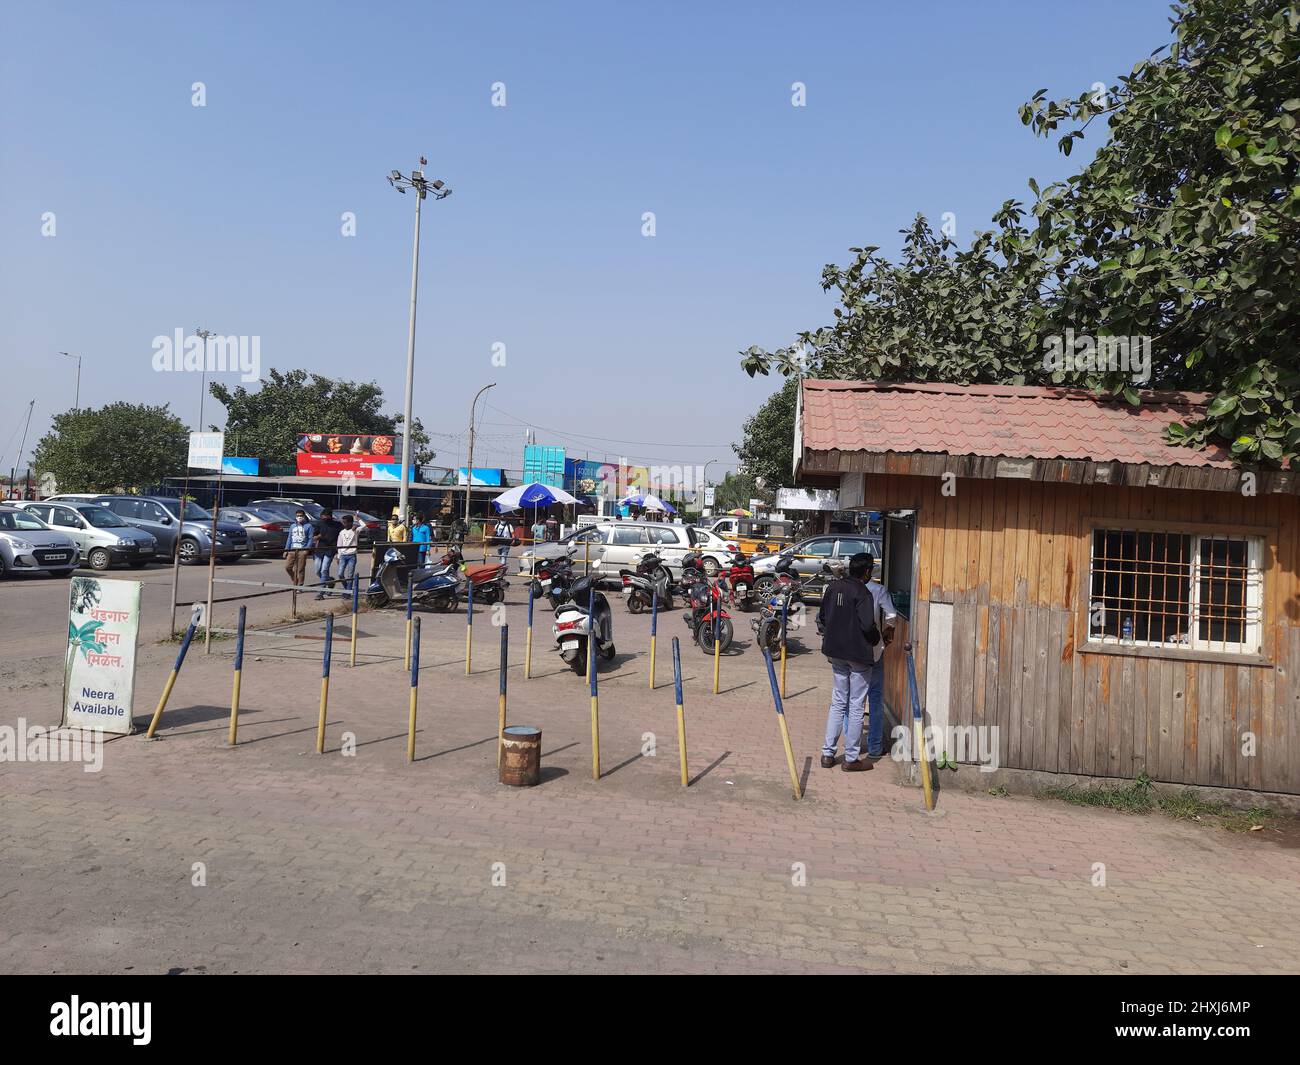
x: 607, y: 652
x: 578, y: 663
x: 704, y: 636
x: 634, y: 603
x: 445, y: 604
x: 771, y: 637
x: 377, y: 600
x: 490, y: 595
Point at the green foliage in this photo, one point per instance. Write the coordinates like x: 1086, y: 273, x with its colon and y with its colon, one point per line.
x: 767, y: 446
x: 267, y: 422
x: 736, y: 490
x: 1184, y: 227
x: 122, y: 445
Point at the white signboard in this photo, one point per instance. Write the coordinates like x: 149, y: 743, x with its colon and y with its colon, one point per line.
x: 99, y: 671
x: 708, y: 496
x: 206, y: 450
x: 807, y: 499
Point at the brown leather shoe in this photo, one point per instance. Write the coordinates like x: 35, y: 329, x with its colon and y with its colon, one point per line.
x: 860, y: 766
x: 828, y: 761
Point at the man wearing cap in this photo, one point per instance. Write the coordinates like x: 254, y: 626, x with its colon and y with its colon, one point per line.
x: 847, y: 621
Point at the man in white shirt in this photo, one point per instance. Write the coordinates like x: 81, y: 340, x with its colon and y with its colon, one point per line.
x: 503, y: 534
x: 347, y: 548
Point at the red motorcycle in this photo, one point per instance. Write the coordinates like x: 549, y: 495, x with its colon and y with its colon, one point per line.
x: 706, y: 618
x: 740, y: 578
x: 488, y: 578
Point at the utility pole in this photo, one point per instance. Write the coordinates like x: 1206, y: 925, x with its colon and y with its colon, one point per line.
x: 423, y: 188
x: 13, y: 476
x: 76, y: 403
x: 469, y: 468
x: 206, y: 335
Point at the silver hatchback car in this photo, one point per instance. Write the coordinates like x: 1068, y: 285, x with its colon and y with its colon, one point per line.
x: 28, y: 545
x: 102, y: 538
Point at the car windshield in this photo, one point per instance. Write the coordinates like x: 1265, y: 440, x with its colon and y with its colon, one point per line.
x: 20, y: 519
x: 102, y: 518
x: 194, y: 512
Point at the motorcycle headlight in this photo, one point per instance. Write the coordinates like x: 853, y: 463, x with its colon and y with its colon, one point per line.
x: 392, y: 555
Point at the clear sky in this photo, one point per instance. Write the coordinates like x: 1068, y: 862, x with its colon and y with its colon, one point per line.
x: 228, y: 216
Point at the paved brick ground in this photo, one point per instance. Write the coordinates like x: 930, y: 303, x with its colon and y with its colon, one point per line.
x: 336, y: 862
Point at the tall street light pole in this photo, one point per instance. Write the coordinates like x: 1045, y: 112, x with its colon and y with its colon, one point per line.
x: 423, y: 188
x: 205, y: 335
x: 469, y: 468
x: 76, y: 403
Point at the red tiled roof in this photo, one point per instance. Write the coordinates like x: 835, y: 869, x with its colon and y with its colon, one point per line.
x: 1000, y: 421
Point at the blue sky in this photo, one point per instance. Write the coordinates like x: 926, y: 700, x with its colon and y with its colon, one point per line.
x: 228, y: 216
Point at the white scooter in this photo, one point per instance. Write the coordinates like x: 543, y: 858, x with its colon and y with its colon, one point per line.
x: 572, y: 627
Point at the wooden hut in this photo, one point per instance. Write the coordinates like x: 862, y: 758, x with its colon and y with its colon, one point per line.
x: 1113, y: 604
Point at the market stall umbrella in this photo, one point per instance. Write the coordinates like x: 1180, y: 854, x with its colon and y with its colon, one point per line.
x: 653, y: 502
x: 531, y: 495
x: 740, y: 512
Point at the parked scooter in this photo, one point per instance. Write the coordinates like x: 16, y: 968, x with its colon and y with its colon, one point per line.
x: 706, y: 617
x: 784, y: 596
x: 572, y: 627
x: 488, y: 578
x: 740, y: 578
x: 641, y: 584
x: 437, y: 587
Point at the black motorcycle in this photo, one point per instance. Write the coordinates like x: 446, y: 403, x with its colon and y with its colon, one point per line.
x: 552, y: 579
x: 782, y: 596
x: 642, y: 584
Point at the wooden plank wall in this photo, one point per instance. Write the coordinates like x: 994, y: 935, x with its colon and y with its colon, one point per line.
x: 1009, y: 555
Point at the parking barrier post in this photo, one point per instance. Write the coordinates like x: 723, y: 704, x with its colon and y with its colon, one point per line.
x: 415, y: 692
x: 681, y: 712
x: 239, y: 666
x: 324, y: 683
x: 591, y: 676
x: 171, y: 679
x: 785, y: 729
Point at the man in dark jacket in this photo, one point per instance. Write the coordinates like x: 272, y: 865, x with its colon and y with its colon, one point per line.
x: 847, y: 622
x: 326, y: 543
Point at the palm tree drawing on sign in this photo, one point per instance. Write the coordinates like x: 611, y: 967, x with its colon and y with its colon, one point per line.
x: 85, y: 597
x: 85, y: 594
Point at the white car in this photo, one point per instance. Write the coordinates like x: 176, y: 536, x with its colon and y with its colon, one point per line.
x: 28, y: 545
x: 612, y: 546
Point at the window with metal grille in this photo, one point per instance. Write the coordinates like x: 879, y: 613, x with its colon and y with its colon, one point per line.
x: 1185, y: 590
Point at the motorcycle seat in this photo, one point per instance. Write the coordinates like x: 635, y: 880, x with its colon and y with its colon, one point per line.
x: 483, y: 571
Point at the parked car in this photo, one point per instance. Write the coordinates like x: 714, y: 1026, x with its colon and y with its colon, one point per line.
x: 617, y: 545
x: 266, y: 529
x: 28, y: 545
x: 102, y: 538
x: 715, y: 550
x: 160, y: 516
x: 289, y: 507
x: 808, y: 557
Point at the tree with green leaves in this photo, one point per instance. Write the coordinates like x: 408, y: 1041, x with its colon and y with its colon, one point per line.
x: 119, y: 446
x: 266, y: 423
x: 1184, y: 229
x: 768, y: 439
x: 736, y: 490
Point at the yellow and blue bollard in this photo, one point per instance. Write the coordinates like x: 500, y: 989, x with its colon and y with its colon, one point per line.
x: 654, y: 625
x: 356, y: 602
x: 501, y: 699
x: 171, y: 679
x: 415, y: 691
x: 785, y: 608
x: 239, y: 667
x: 528, y: 636
x: 681, y: 712
x: 717, y: 642
x: 469, y: 622
x: 591, y: 676
x: 785, y: 729
x: 324, y: 683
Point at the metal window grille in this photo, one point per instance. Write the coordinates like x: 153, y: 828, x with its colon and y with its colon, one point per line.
x: 1187, y: 590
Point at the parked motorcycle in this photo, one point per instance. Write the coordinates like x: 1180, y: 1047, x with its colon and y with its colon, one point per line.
x: 573, y: 627
x: 740, y: 579
x: 706, y: 618
x: 488, y: 578
x: 784, y: 594
x: 642, y: 584
x: 552, y: 578
x: 437, y: 587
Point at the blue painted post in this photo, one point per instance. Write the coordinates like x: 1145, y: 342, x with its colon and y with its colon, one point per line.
x: 324, y: 683
x: 681, y: 712
x: 785, y: 729
x: 415, y: 691
x: 654, y: 625
x: 591, y: 676
x: 171, y: 679
x: 469, y: 621
x: 239, y: 666
x: 528, y: 639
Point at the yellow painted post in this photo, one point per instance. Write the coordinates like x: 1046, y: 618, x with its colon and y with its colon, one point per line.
x: 239, y: 666
x: 356, y: 595
x: 501, y: 698
x: 717, y: 643
x: 415, y: 691
x: 681, y: 713
x: 324, y: 683
x: 171, y: 679
x: 654, y: 619
x: 469, y: 622
x: 591, y: 675
x: 528, y: 636
x: 785, y: 729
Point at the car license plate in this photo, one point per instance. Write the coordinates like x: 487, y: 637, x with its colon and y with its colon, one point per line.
x: 627, y: 590
x: 741, y: 589
x: 60, y: 557
x: 569, y: 645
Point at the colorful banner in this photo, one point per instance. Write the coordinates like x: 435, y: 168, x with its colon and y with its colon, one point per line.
x: 341, y: 454
x: 99, y: 669
x: 490, y: 477
x: 239, y: 467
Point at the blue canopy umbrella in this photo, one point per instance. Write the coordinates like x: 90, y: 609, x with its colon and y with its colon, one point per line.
x: 531, y: 495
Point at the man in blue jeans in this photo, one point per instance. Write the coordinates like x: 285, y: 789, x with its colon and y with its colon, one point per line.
x: 886, y: 616
x: 847, y: 621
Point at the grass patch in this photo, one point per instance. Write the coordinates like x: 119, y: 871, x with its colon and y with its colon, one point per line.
x: 1139, y: 797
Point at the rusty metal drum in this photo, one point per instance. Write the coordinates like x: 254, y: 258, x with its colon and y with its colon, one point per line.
x: 521, y: 757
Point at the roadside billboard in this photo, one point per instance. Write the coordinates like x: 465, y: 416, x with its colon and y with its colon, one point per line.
x: 343, y: 454
x: 99, y: 668
x: 807, y: 499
